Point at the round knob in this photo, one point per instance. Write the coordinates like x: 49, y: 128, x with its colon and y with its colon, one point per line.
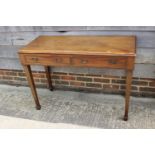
x: 34, y: 59
x: 113, y: 61
x: 84, y: 61
x: 58, y: 60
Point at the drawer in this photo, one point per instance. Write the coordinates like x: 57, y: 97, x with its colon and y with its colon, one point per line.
x: 47, y: 60
x: 108, y: 62
x: 77, y: 61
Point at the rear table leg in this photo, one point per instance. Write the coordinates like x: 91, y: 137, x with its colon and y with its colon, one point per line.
x: 48, y: 75
x: 127, y: 93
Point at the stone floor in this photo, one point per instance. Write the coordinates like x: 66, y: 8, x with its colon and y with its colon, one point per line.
x: 9, y: 122
x: 85, y: 109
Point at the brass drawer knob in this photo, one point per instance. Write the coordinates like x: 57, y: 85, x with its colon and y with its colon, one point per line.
x: 112, y: 61
x: 58, y: 60
x: 34, y: 59
x: 84, y: 61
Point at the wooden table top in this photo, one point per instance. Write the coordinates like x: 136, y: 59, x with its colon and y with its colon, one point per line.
x: 83, y: 45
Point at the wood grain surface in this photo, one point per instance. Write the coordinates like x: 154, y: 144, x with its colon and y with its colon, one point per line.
x: 89, y: 45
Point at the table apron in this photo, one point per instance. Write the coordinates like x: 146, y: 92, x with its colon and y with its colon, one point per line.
x: 118, y: 62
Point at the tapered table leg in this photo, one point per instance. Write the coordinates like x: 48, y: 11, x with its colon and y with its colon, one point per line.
x: 48, y: 75
x: 28, y: 72
x: 127, y: 93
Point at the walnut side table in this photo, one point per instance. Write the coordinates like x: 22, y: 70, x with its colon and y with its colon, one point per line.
x: 117, y: 52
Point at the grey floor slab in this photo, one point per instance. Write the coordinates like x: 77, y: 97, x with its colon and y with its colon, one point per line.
x: 87, y: 109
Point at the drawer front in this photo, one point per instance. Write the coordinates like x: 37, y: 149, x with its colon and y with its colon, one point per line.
x: 108, y: 62
x: 47, y: 60
x: 77, y: 61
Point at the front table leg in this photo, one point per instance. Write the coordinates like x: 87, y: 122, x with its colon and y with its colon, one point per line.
x: 28, y: 72
x: 127, y: 93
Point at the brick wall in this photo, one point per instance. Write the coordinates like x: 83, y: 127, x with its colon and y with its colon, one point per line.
x: 144, y: 87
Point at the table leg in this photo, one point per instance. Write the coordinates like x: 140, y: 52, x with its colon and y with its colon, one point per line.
x: 48, y: 75
x: 28, y: 72
x: 127, y: 93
